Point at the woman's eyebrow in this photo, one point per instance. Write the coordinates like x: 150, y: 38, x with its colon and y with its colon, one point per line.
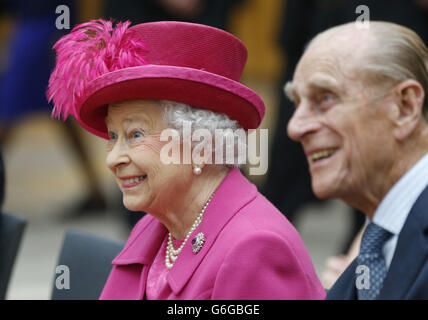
x: 136, y: 118
x: 107, y: 120
x: 129, y: 119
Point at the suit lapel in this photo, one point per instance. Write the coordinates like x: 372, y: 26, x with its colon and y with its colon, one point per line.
x: 411, y: 252
x: 344, y: 288
x: 410, y: 256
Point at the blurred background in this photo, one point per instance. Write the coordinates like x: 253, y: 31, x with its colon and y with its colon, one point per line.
x: 55, y: 173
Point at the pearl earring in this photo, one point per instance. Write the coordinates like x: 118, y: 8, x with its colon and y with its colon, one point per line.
x: 197, y: 170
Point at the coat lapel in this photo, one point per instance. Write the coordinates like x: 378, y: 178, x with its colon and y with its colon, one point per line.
x: 142, y: 247
x: 411, y: 252
x: 133, y: 262
x: 233, y: 193
x: 344, y: 288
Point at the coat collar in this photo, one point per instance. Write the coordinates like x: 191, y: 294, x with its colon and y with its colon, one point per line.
x: 142, y: 248
x: 234, y: 192
x: 411, y: 253
x: 344, y: 288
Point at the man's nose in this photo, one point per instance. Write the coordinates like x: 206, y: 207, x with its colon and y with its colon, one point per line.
x: 303, y: 122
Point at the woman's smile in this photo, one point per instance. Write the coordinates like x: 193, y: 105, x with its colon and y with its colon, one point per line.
x: 132, y: 181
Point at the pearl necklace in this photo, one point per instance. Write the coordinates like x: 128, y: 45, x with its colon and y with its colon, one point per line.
x: 171, y: 253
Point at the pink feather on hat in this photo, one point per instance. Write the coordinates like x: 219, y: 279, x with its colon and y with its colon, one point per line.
x: 90, y: 50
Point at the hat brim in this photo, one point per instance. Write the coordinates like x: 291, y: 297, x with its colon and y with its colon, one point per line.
x: 196, y: 88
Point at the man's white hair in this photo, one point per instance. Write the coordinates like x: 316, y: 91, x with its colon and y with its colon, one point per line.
x: 394, y: 54
x: 400, y: 54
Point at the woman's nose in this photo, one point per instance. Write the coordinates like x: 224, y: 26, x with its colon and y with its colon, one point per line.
x: 117, y: 156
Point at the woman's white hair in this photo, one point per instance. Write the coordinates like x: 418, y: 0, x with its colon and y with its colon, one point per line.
x: 232, y: 136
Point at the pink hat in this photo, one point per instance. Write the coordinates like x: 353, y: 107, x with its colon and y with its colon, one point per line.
x: 98, y: 64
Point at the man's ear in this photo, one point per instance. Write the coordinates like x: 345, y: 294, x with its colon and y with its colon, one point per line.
x: 408, y: 108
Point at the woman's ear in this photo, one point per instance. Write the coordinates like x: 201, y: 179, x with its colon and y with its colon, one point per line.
x: 408, y: 108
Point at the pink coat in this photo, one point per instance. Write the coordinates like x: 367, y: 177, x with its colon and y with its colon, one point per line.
x: 251, y: 252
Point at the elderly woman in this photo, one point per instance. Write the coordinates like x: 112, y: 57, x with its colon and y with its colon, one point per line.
x: 209, y: 234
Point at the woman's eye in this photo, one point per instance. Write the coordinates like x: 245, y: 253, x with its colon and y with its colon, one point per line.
x: 112, y: 136
x: 136, y: 135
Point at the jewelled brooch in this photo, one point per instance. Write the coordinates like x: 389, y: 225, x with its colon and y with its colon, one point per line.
x: 198, y: 242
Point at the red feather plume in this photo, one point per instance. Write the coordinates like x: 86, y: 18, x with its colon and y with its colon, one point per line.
x: 90, y: 50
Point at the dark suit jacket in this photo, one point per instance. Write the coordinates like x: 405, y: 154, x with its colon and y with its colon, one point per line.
x: 407, y: 277
x: 2, y: 174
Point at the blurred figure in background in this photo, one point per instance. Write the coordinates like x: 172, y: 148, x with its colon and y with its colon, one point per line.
x: 212, y: 13
x: 2, y: 184
x: 24, y: 81
x: 2, y: 179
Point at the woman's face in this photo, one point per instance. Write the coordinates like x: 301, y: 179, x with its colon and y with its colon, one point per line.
x: 133, y: 155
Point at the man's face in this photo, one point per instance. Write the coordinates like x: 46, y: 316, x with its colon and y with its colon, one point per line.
x: 345, y: 133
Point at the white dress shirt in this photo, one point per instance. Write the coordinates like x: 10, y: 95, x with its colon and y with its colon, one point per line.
x: 395, y: 207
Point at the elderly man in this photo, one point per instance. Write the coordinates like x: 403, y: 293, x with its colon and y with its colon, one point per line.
x: 362, y: 118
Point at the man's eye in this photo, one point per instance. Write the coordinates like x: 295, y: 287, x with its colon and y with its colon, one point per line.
x: 326, y: 101
x: 327, y: 97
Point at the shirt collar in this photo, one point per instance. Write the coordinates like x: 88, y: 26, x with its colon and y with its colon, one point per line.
x: 396, y: 205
